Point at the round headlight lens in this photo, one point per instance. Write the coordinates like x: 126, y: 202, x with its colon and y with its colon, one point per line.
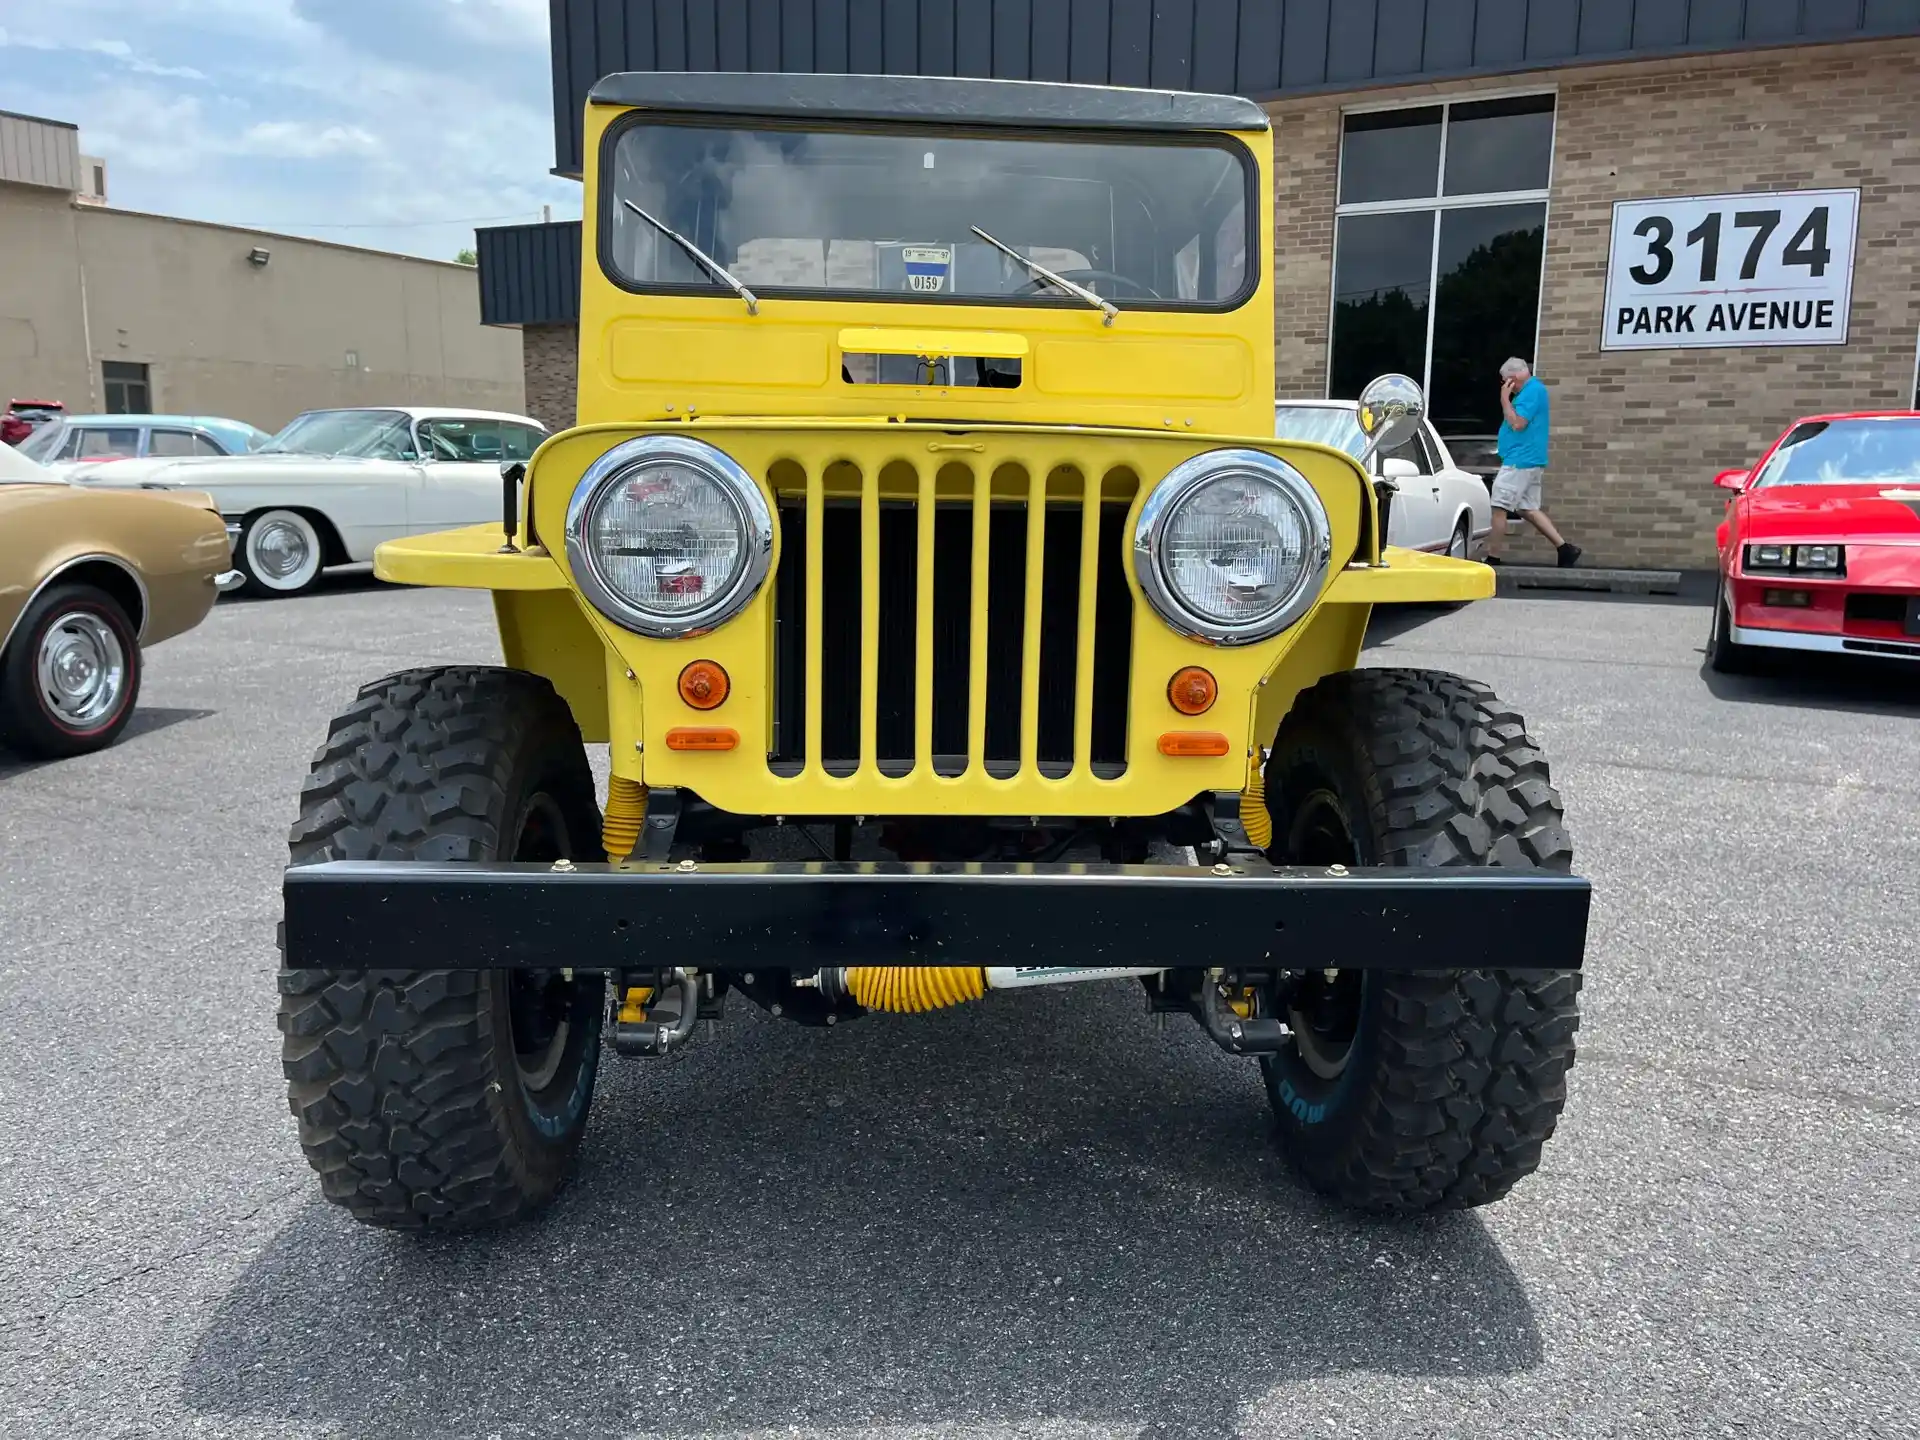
x: 1232, y: 546
x: 668, y: 536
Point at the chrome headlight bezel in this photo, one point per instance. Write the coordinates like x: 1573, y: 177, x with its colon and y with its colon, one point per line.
x: 750, y: 508
x: 1181, y: 484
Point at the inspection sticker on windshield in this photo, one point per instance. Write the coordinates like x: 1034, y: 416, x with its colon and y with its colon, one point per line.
x: 927, y: 266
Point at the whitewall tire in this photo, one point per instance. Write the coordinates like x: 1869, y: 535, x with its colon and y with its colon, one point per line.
x: 280, y: 552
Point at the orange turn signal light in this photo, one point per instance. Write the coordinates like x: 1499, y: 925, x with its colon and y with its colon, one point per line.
x: 704, y: 737
x: 1193, y: 742
x: 703, y: 685
x: 1192, y: 691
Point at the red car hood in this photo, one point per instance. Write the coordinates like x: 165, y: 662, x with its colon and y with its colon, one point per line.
x: 1887, y: 512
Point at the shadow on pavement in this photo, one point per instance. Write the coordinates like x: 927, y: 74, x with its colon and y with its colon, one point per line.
x: 1857, y: 684
x: 999, y: 1214
x: 146, y: 720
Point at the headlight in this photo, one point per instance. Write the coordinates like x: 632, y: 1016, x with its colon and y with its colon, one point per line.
x: 1232, y: 547
x: 668, y: 536
x: 1809, y: 559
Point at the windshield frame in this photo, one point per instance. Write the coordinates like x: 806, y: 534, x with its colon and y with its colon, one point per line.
x: 1047, y: 299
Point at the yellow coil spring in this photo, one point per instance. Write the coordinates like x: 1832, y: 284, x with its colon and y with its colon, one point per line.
x: 909, y: 990
x: 1254, y: 817
x: 626, y: 813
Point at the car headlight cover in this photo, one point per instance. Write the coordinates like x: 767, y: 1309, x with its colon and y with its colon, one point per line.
x: 668, y: 536
x: 1232, y: 546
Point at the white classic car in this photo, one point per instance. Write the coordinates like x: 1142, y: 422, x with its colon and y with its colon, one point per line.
x: 1436, y: 506
x: 335, y: 483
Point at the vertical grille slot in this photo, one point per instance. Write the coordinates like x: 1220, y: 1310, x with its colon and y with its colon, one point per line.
x: 1021, y: 656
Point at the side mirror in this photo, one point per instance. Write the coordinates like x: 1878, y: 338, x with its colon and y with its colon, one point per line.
x: 1732, y: 479
x: 1391, y: 408
x: 1398, y: 468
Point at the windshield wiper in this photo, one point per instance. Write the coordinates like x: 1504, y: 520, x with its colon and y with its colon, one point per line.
x: 699, y: 256
x: 1106, y: 307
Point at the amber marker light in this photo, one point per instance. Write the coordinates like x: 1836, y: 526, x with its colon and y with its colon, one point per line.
x: 1193, y: 742
x: 1192, y: 691
x: 706, y: 737
x: 703, y: 685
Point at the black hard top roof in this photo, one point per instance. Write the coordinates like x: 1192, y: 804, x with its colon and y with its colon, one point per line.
x: 934, y: 99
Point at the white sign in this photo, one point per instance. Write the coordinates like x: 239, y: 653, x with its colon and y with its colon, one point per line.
x: 1708, y: 271
x: 927, y: 267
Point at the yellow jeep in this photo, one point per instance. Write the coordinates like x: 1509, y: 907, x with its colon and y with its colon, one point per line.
x: 954, y: 622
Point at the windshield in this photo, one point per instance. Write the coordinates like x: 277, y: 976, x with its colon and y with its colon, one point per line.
x: 41, y: 444
x: 1846, y: 452
x: 1320, y: 425
x: 1149, y: 224
x: 355, y: 434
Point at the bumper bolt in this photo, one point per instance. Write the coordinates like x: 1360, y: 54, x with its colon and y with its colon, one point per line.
x: 1223, y: 868
x: 562, y: 866
x: 1336, y: 870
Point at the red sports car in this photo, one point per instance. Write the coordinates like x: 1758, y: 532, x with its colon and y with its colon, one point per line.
x: 1820, y: 548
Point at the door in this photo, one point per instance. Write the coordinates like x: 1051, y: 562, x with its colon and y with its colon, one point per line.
x: 1413, y: 519
x: 460, y: 459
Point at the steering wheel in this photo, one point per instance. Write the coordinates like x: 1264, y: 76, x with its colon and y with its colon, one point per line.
x: 1129, y: 287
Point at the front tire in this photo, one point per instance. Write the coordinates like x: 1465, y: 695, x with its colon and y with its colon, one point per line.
x: 1409, y: 1093
x: 70, y: 675
x: 1724, y: 656
x: 280, y: 552
x: 444, y: 1099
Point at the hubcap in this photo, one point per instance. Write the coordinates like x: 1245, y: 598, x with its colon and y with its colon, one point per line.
x: 1458, y: 549
x: 280, y: 549
x: 540, y: 1002
x: 82, y: 670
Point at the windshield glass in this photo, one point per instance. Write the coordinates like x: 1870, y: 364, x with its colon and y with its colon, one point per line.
x: 41, y: 444
x: 1321, y: 425
x: 1148, y: 224
x: 361, y: 434
x: 1846, y: 452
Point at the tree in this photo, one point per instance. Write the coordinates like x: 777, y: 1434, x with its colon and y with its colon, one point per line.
x: 466, y: 257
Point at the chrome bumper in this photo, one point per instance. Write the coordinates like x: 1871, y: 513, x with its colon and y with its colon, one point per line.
x: 227, y: 580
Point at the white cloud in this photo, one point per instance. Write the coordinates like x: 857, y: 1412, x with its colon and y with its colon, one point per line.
x: 299, y: 140
x: 397, y: 124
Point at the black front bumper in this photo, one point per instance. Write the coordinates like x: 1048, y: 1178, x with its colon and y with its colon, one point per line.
x: 350, y: 915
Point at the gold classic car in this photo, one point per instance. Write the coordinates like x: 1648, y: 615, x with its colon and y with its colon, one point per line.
x: 87, y: 580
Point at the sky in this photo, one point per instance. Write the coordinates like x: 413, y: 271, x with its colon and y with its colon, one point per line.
x: 393, y: 124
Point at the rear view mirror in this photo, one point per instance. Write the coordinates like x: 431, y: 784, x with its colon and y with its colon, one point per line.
x: 1731, y: 479
x: 1390, y: 411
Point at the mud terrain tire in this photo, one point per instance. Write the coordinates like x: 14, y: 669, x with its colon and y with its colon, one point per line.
x: 444, y: 1099
x: 1435, y: 1091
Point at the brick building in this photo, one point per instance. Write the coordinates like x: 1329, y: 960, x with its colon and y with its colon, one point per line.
x: 1650, y: 199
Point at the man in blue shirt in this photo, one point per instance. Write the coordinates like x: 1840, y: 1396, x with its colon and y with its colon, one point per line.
x: 1523, y: 460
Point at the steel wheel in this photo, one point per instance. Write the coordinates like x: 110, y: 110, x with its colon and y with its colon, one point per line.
x: 1323, y: 1009
x: 540, y: 1003
x: 81, y: 670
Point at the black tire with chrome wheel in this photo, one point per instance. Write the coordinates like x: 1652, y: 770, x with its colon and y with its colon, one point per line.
x: 444, y: 1099
x: 1724, y: 655
x: 70, y: 674
x: 1408, y: 1093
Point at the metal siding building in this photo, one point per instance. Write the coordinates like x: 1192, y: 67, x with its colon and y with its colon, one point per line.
x: 1635, y: 100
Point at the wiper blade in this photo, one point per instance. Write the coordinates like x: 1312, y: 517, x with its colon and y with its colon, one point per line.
x: 1106, y: 307
x: 699, y: 256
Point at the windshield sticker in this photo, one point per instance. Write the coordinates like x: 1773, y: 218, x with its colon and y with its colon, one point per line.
x: 927, y: 267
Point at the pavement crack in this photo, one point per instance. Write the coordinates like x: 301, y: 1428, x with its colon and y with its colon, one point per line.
x: 150, y: 1267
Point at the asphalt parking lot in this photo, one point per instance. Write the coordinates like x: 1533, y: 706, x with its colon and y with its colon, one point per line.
x: 1037, y: 1217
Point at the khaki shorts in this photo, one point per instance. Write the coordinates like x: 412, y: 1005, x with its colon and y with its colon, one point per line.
x: 1517, y: 491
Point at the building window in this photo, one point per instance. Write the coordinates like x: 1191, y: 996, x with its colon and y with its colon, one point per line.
x: 1442, y: 220
x: 128, y: 392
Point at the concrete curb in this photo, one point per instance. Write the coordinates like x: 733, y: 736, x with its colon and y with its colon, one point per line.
x: 1514, y: 578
